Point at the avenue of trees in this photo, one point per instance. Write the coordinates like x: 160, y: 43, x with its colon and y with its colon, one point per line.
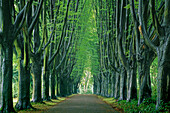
x: 38, y: 42
x: 132, y: 33
x: 51, y: 48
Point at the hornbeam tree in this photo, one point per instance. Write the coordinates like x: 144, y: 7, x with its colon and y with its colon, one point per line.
x: 8, y: 35
x: 162, y: 50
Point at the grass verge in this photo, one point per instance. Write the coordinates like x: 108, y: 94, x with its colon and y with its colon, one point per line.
x: 45, y: 105
x: 148, y: 106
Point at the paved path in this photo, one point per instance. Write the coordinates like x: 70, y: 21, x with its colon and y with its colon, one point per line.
x: 82, y: 104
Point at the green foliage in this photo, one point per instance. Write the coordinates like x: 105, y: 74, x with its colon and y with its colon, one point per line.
x: 148, y: 106
x: 15, y: 85
x: 153, y: 75
x: 87, y: 54
x: 136, y: 5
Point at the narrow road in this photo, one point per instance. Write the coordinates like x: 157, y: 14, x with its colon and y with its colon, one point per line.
x: 82, y: 104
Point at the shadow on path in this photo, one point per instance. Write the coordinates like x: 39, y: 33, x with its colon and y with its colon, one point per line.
x: 82, y: 104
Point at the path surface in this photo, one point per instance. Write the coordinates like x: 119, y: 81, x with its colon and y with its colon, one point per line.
x: 82, y: 104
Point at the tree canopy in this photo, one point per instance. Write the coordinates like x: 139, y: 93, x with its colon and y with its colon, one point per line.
x: 113, y: 48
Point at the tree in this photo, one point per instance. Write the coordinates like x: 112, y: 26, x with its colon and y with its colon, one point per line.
x: 161, y: 50
x: 8, y: 35
x: 24, y: 54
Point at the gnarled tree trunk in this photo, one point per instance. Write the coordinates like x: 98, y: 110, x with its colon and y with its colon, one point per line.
x: 144, y: 74
x: 163, y: 87
x: 162, y: 50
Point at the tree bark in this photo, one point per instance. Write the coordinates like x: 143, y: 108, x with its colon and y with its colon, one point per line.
x: 144, y: 74
x: 163, y: 87
x: 103, y: 85
x: 36, y: 75
x: 46, y: 70
x: 7, y: 69
x: 53, y: 83
x: 95, y: 84
x: 1, y: 60
x: 46, y: 84
x: 117, y: 86
x: 63, y: 87
x: 132, y: 88
x: 162, y: 50
x: 24, y: 88
x: 123, y: 88
x: 24, y: 75
x: 112, y: 84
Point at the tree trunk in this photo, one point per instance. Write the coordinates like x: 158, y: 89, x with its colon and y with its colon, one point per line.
x: 7, y: 49
x: 46, y: 70
x: 36, y: 75
x: 102, y: 85
x: 24, y: 76
x: 70, y: 87
x: 63, y: 87
x: 117, y: 86
x: 1, y: 76
x: 112, y: 84
x: 163, y: 87
x: 132, y: 84
x: 46, y: 85
x: 144, y: 75
x: 76, y: 88
x: 53, y: 84
x: 123, y: 88
x: 99, y: 88
x: 24, y: 88
x: 163, y: 84
x: 107, y: 84
x: 58, y: 84
x: 7, y: 69
x: 95, y: 84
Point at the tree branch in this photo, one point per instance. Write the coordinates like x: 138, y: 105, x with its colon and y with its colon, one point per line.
x: 121, y: 54
x: 49, y: 41
x: 120, y: 36
x: 18, y: 24
x: 30, y: 29
x: 167, y: 13
x: 62, y: 35
x: 1, y: 37
x: 132, y: 8
x: 68, y: 45
x: 143, y: 28
x: 20, y: 16
x: 156, y: 23
x: 114, y: 68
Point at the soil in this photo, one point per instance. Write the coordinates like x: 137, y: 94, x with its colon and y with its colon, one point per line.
x: 82, y: 104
